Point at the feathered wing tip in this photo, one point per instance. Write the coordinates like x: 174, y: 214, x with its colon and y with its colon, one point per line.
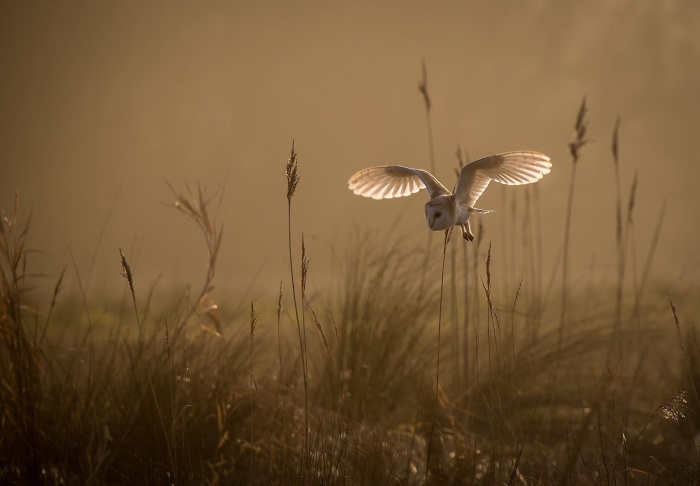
x: 511, y: 168
x: 522, y: 167
x: 385, y: 182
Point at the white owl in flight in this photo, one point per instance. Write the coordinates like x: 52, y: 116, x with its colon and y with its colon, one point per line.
x: 446, y: 209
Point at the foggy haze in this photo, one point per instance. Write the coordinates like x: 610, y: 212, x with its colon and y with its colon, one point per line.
x: 103, y: 104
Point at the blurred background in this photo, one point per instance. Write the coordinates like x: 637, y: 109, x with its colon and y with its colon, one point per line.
x: 104, y: 103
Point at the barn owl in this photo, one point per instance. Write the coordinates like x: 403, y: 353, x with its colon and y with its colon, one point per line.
x: 446, y: 209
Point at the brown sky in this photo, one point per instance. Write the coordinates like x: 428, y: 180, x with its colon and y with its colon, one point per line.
x: 101, y: 103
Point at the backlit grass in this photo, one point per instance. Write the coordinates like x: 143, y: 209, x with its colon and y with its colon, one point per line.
x: 537, y: 384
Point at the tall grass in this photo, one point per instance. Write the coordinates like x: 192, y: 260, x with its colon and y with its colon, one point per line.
x: 619, y: 240
x: 203, y: 395
x: 21, y: 373
x: 292, y: 181
x: 575, y: 146
x: 448, y: 234
x: 423, y: 89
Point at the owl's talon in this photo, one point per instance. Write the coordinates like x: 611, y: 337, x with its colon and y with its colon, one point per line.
x: 467, y: 232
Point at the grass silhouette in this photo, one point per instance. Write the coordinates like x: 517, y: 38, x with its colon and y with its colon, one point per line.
x: 378, y: 391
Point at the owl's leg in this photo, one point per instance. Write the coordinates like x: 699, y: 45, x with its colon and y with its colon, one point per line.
x: 467, y: 232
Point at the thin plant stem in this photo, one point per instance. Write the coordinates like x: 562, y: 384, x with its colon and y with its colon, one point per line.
x: 292, y: 181
x: 565, y: 263
x: 423, y: 88
x: 253, y: 322
x: 448, y: 235
x: 304, y: 354
x: 650, y: 257
x: 575, y: 149
x: 618, y: 228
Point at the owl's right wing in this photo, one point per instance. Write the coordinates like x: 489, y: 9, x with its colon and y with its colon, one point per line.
x: 510, y: 168
x: 391, y: 181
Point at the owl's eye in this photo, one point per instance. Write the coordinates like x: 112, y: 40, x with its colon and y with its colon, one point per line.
x: 438, y: 214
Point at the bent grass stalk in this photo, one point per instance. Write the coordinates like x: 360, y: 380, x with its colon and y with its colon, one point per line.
x: 197, y: 209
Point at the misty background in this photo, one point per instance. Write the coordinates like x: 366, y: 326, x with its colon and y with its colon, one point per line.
x: 104, y: 103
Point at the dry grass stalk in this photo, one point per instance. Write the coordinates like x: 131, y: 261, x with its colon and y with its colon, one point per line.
x: 448, y: 235
x: 196, y: 207
x: 323, y: 335
x: 292, y: 175
x: 126, y: 273
x: 621, y: 237
x: 575, y: 147
x: 423, y: 88
x: 253, y: 323
x: 292, y: 182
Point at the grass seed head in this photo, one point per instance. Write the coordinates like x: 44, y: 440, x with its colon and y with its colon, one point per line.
x: 279, y: 303
x: 674, y: 407
x: 323, y: 334
x: 630, y: 204
x: 580, y: 128
x: 304, y: 265
x: 423, y: 87
x: 292, y: 176
x: 126, y: 271
x: 253, y: 320
x: 615, y: 146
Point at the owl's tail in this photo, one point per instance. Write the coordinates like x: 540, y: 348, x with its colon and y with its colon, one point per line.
x: 480, y: 211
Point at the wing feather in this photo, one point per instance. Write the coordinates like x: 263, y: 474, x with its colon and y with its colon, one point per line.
x: 389, y: 181
x: 511, y: 168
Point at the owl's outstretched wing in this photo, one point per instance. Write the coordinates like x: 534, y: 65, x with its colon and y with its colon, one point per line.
x: 512, y: 168
x: 391, y: 181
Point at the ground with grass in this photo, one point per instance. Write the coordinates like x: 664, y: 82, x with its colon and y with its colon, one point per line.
x: 429, y: 365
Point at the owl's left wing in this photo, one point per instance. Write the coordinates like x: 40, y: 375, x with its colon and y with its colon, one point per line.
x: 391, y: 181
x: 511, y: 168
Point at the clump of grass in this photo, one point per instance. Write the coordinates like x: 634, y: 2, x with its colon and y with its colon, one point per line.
x: 382, y: 320
x: 20, y: 360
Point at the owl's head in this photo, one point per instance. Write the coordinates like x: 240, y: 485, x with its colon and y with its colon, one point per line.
x: 440, y: 213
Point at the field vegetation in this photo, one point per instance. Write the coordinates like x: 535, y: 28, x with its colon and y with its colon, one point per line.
x: 455, y: 368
